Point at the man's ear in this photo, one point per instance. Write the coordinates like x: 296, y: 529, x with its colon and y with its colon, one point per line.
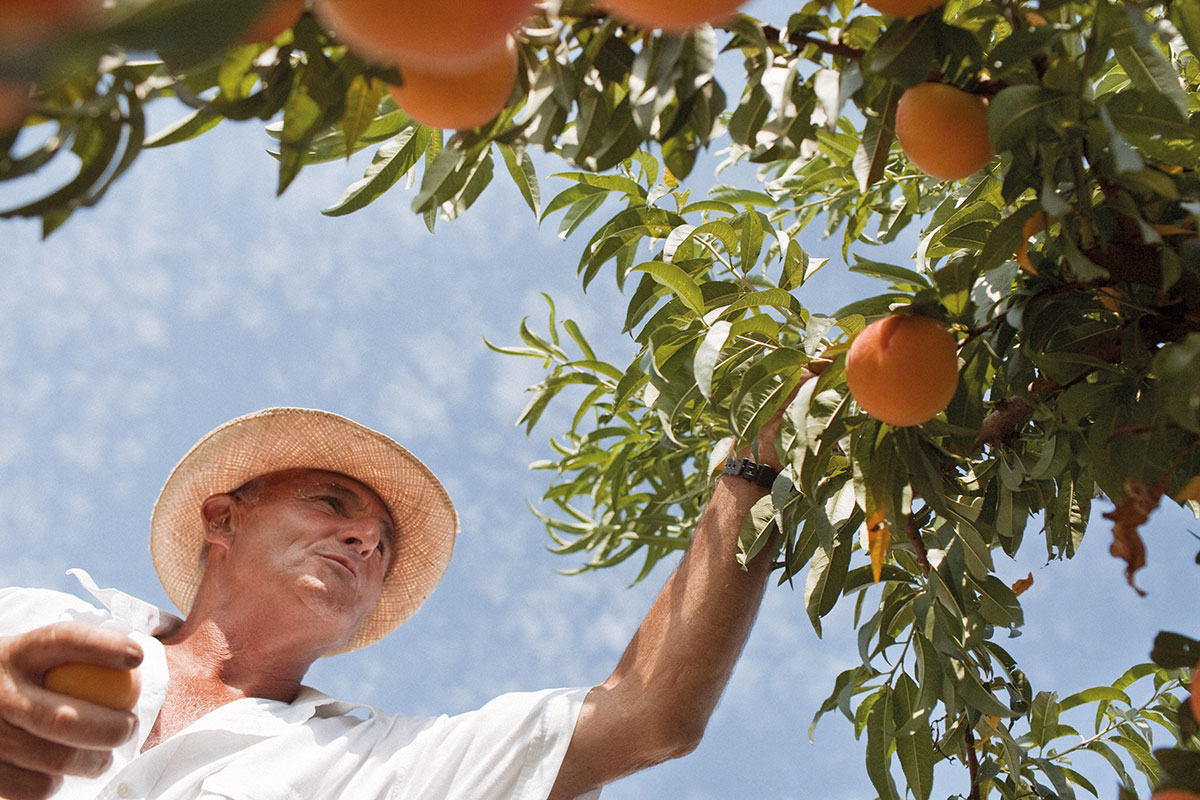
x: 217, y: 513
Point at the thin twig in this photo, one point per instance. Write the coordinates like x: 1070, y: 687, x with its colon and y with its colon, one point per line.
x: 972, y: 762
x: 803, y: 40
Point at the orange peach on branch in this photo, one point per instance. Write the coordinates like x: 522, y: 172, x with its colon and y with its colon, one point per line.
x: 943, y: 130
x: 903, y: 369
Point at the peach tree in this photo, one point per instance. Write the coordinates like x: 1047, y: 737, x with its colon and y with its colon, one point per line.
x: 1066, y: 266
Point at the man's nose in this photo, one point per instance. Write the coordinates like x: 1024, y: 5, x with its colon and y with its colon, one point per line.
x: 362, y: 535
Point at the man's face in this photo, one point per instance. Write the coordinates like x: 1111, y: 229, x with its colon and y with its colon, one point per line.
x: 310, y: 545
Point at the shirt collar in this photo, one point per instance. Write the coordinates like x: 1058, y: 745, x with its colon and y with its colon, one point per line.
x: 138, y: 614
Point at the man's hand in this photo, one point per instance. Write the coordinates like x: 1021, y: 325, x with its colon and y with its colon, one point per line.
x: 766, y: 435
x: 45, y: 736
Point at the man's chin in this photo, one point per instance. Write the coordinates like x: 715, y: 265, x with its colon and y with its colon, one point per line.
x: 332, y: 607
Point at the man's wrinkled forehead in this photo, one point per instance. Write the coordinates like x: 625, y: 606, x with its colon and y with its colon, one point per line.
x: 308, y: 480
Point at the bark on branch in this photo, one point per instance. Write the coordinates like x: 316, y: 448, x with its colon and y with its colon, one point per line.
x: 803, y: 40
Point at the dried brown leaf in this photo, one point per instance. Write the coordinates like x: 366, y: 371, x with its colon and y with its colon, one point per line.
x: 1127, y: 517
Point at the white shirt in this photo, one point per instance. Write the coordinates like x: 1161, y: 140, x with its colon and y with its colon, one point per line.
x: 314, y: 747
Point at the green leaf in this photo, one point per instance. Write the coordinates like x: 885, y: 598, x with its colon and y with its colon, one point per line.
x: 707, y: 354
x: 97, y: 145
x: 1043, y: 717
x: 881, y: 729
x: 185, y: 128
x: 1175, y: 651
x: 871, y: 158
x: 1125, y: 158
x: 1058, y: 779
x: 573, y: 195
x: 363, y: 96
x: 929, y: 670
x: 1005, y: 238
x: 186, y: 33
x: 448, y: 174
x: 971, y: 690
x: 899, y: 277
x: 756, y: 529
x: 1016, y: 113
x: 997, y: 603
x: 914, y: 739
x: 826, y: 575
x: 550, y: 350
x: 545, y: 391
x: 579, y: 212
x: 737, y: 196
x: 905, y: 52
x: 1144, y: 63
x: 679, y: 282
x: 1152, y: 124
x: 1177, y: 366
x: 577, y: 336
x: 393, y: 160
x: 844, y: 687
x: 1186, y: 17
x: 625, y: 230
x: 1105, y: 750
x: 1093, y: 695
x: 520, y: 168
x: 608, y: 183
x: 750, y: 246
x: 765, y: 297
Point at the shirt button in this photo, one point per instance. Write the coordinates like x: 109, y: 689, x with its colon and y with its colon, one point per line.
x: 122, y: 790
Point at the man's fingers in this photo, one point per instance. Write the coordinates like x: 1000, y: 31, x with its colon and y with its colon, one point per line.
x: 26, y: 704
x: 17, y: 783
x: 75, y: 723
x: 40, y: 649
x: 20, y: 749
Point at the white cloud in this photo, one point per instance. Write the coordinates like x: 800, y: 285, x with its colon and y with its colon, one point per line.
x: 408, y: 408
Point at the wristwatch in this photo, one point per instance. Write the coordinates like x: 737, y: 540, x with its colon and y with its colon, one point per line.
x: 758, y: 474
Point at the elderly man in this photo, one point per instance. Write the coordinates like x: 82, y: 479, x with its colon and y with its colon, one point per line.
x: 290, y: 534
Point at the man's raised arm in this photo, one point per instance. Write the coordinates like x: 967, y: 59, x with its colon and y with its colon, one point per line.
x: 657, y: 702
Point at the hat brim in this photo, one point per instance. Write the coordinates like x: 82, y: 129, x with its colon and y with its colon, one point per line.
x: 285, y: 438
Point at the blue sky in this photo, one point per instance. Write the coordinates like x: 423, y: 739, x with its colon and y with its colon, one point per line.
x: 192, y: 295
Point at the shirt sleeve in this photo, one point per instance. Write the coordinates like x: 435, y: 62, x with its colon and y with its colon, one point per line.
x: 22, y: 610
x: 511, y: 749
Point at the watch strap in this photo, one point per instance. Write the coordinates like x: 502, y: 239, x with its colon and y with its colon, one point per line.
x: 744, y: 468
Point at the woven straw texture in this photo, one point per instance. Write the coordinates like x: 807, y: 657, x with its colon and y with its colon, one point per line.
x: 284, y: 438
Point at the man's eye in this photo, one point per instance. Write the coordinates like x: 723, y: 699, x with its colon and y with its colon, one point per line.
x: 380, y: 548
x: 333, y: 502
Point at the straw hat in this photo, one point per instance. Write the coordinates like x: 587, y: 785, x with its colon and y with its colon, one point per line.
x: 284, y: 438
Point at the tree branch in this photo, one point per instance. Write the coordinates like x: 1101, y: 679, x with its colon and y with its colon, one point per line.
x: 972, y: 761
x: 803, y: 40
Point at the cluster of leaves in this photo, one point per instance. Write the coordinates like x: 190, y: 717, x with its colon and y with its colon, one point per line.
x: 1068, y: 270
x: 1067, y: 366
x: 723, y: 341
x: 589, y: 91
x: 1180, y: 765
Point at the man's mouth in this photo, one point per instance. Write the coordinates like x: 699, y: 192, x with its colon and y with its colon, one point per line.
x: 346, y: 563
